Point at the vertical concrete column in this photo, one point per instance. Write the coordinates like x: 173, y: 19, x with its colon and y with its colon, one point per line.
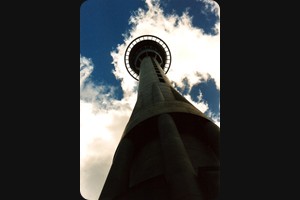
x: 157, y: 95
x: 147, y: 74
x: 179, y: 172
x: 117, y: 181
x: 162, y: 72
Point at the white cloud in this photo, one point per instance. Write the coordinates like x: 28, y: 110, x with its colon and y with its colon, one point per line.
x: 193, y: 52
x: 195, y: 57
x: 102, y: 121
x: 210, y: 5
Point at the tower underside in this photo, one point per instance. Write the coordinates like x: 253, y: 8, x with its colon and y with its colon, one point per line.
x: 169, y: 149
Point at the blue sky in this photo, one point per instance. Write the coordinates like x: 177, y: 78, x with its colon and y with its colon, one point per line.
x: 107, y: 93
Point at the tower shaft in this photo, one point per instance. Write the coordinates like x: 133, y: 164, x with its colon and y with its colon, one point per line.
x: 169, y: 149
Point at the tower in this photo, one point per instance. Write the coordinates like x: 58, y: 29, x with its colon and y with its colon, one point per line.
x: 169, y: 149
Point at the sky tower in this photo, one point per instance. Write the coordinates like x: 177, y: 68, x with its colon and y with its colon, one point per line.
x: 169, y: 149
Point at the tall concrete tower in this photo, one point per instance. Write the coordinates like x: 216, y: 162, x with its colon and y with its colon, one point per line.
x: 169, y: 149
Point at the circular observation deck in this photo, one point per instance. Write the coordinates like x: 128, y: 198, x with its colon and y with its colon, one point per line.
x: 146, y: 45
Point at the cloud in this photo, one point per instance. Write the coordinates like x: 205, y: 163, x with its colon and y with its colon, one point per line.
x: 195, y: 59
x: 194, y: 53
x: 210, y: 5
x: 102, y: 121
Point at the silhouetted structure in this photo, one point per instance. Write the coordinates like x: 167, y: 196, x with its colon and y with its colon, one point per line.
x: 169, y: 149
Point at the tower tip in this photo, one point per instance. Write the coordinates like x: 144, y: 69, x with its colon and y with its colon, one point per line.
x: 146, y: 45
